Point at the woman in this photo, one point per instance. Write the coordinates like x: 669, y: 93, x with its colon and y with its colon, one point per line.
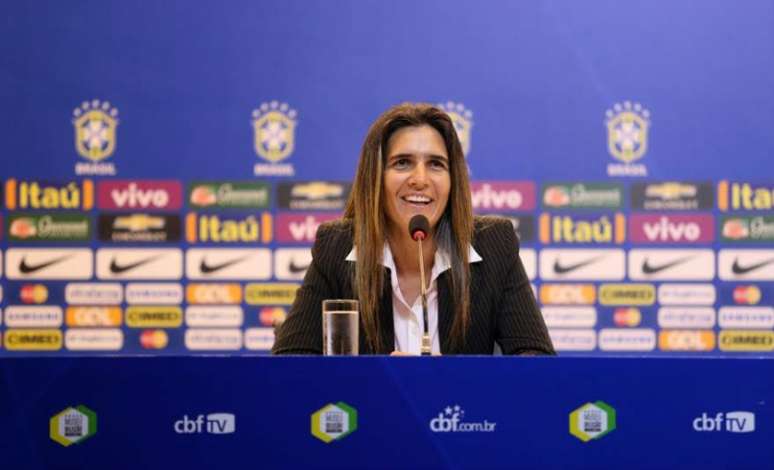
x: 478, y: 293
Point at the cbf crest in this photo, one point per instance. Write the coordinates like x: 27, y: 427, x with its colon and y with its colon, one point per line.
x: 462, y: 119
x: 627, y: 137
x: 274, y: 126
x: 95, y: 124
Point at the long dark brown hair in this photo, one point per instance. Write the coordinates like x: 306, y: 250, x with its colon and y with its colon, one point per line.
x: 365, y: 208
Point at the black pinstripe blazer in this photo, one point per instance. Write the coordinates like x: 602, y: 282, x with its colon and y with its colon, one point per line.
x: 503, y: 307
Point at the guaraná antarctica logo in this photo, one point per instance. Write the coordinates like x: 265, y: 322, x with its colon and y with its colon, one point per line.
x: 452, y: 419
x: 274, y: 126
x: 73, y: 425
x: 592, y: 421
x: 334, y: 421
x: 627, y: 138
x: 462, y: 119
x: 95, y: 124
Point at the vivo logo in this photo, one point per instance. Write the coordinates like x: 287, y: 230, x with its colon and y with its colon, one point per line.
x: 507, y: 196
x: 213, y: 423
x: 300, y: 228
x: 149, y: 194
x: 671, y: 229
x: 733, y: 421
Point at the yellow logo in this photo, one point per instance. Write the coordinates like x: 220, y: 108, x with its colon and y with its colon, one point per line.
x: 746, y: 340
x: 39, y: 195
x: 274, y: 125
x: 567, y: 294
x: 213, y: 293
x: 95, y: 130
x: 33, y: 340
x: 627, y: 294
x: 154, y: 317
x: 228, y: 229
x: 93, y: 316
x: 270, y: 294
x: 686, y: 340
x: 463, y: 122
x: 627, y: 131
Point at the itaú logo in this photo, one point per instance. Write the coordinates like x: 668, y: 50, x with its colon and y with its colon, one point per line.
x: 213, y: 423
x: 451, y: 419
x: 733, y: 421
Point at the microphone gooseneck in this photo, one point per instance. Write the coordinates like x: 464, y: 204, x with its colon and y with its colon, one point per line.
x: 419, y: 227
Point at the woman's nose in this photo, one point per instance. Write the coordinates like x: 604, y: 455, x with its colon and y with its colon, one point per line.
x: 419, y: 175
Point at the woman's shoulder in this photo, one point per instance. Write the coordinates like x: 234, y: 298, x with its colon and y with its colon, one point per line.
x: 494, y: 236
x: 491, y: 225
x: 334, y: 233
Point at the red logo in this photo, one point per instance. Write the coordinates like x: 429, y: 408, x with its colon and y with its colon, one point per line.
x: 749, y: 295
x: 140, y: 194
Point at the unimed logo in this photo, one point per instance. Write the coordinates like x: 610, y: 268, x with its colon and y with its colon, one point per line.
x: 452, y: 419
x: 213, y: 423
x: 733, y: 421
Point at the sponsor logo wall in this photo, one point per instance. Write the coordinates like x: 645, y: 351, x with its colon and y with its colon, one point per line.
x: 97, y: 262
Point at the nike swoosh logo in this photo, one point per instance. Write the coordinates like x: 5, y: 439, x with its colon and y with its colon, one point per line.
x: 559, y: 269
x: 647, y: 268
x: 26, y: 268
x: 116, y: 268
x: 211, y: 268
x: 295, y: 269
x: 736, y: 268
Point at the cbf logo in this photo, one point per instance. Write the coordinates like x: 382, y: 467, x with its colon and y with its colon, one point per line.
x: 592, y: 421
x: 73, y: 425
x: 627, y: 138
x: 95, y: 125
x: 452, y: 419
x: 733, y: 421
x: 463, y: 122
x: 213, y: 423
x: 274, y: 126
x: 333, y: 422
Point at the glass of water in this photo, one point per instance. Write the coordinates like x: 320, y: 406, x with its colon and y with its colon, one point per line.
x: 340, y: 327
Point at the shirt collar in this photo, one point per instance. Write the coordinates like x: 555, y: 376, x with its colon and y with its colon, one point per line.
x: 441, y: 263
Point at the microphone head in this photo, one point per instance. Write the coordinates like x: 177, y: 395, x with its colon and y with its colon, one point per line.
x: 419, y: 227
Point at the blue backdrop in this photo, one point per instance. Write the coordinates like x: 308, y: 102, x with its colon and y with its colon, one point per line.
x: 630, y: 128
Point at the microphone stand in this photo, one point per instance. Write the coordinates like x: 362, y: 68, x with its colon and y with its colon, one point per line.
x: 427, y: 347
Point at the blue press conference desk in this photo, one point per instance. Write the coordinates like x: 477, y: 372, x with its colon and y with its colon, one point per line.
x: 380, y: 412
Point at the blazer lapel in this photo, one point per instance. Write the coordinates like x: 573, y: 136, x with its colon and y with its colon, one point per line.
x: 445, y: 312
x: 386, y: 322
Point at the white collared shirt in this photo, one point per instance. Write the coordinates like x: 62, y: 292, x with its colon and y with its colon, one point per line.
x: 408, y: 321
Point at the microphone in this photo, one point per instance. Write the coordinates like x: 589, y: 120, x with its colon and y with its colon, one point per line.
x: 419, y: 227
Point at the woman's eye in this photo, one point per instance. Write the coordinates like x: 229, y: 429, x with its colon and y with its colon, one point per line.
x: 401, y: 163
x: 438, y: 164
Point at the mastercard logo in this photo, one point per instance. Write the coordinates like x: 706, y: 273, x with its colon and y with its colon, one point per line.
x: 749, y: 295
x: 272, y: 316
x: 154, y: 339
x: 33, y: 294
x: 627, y: 316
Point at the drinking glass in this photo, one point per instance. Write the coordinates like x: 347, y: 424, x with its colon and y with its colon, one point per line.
x: 340, y: 327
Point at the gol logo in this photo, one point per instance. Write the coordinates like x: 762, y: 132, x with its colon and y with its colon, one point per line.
x: 686, y: 340
x: 566, y: 294
x: 154, y: 339
x: 93, y: 316
x: 213, y: 294
x: 33, y: 294
x: 627, y: 316
x: 750, y: 295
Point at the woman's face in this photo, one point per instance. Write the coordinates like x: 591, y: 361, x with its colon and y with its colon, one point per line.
x: 416, y: 177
